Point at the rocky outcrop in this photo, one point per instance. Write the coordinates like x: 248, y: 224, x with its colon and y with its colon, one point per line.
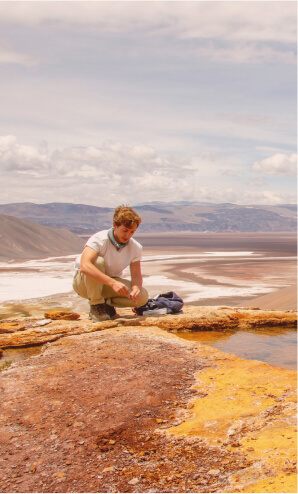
x: 58, y: 315
x: 126, y: 406
x: 32, y: 332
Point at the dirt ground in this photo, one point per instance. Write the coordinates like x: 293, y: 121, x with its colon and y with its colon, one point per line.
x: 91, y: 413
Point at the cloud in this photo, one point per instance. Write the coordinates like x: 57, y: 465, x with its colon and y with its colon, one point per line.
x: 113, y: 172
x: 8, y: 55
x: 113, y: 158
x: 21, y: 158
x: 278, y: 164
x: 245, y: 52
x: 266, y: 197
x: 112, y: 162
x: 239, y: 196
x: 253, y: 21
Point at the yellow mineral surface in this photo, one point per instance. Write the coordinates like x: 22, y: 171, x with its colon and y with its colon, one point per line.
x: 248, y: 406
x: 11, y: 327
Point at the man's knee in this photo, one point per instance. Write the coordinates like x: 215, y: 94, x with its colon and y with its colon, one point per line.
x: 79, y: 285
x: 144, y: 297
x: 99, y: 263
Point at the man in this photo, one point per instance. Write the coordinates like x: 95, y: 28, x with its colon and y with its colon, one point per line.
x: 99, y: 268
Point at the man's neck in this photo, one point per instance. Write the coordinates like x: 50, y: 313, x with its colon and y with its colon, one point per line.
x: 115, y: 241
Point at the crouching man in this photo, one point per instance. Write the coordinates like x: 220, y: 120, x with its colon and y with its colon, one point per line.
x: 99, y: 268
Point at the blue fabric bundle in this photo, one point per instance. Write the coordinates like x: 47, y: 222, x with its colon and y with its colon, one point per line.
x: 169, y: 300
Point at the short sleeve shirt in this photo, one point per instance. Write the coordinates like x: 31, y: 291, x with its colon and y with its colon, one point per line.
x: 115, y: 260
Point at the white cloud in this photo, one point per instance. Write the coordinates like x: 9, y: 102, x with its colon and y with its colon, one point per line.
x: 114, y: 172
x: 266, y: 21
x: 114, y: 158
x: 19, y: 157
x: 243, y: 196
x: 110, y: 161
x: 266, y: 197
x: 240, y: 32
x: 238, y: 20
x: 246, y: 52
x: 278, y: 164
x: 9, y: 55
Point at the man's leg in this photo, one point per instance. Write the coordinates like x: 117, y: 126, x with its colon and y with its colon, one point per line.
x: 88, y: 288
x: 98, y: 294
x: 112, y: 298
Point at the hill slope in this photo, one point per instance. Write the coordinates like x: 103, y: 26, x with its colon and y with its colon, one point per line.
x: 162, y: 217
x: 21, y: 239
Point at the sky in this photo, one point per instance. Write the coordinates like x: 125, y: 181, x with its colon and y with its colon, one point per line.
x: 130, y: 102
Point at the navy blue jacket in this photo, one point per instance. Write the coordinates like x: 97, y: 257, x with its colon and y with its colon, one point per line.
x: 170, y: 300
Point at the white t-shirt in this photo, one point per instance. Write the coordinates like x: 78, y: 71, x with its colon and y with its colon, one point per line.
x: 115, y: 260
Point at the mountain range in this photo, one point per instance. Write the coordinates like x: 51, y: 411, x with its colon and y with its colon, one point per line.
x: 83, y: 219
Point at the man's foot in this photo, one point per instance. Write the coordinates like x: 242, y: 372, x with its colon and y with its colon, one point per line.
x: 111, y: 311
x: 98, y: 312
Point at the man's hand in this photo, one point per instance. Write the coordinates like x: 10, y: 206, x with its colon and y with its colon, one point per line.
x: 136, y: 281
x: 120, y: 288
x: 135, y: 293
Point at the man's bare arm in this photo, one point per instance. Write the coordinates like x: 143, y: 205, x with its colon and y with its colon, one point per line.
x: 88, y: 258
x: 136, y: 280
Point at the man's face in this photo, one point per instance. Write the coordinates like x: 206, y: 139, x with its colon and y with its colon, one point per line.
x: 122, y: 233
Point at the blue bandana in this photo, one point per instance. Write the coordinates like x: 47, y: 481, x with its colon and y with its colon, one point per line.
x: 114, y: 241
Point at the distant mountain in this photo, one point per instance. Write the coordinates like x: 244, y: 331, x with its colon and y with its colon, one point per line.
x: 78, y: 218
x: 162, y: 217
x: 21, y: 239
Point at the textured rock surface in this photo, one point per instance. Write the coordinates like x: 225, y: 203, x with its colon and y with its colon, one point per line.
x: 62, y: 315
x: 11, y: 327
x: 125, y: 406
x: 193, y: 318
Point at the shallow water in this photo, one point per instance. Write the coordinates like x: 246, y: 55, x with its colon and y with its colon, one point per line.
x: 275, y: 346
x: 18, y: 354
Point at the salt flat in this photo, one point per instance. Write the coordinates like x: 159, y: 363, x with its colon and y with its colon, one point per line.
x: 198, y: 278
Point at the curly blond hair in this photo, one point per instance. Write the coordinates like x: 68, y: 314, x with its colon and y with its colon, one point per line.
x: 125, y: 215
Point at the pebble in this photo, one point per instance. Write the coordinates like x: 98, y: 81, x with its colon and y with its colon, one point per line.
x: 134, y: 481
x: 213, y: 472
x: 44, y: 322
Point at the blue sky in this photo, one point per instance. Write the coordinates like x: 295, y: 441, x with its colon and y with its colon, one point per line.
x: 130, y: 102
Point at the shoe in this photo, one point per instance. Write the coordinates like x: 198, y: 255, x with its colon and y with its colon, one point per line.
x: 98, y: 312
x: 111, y: 311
